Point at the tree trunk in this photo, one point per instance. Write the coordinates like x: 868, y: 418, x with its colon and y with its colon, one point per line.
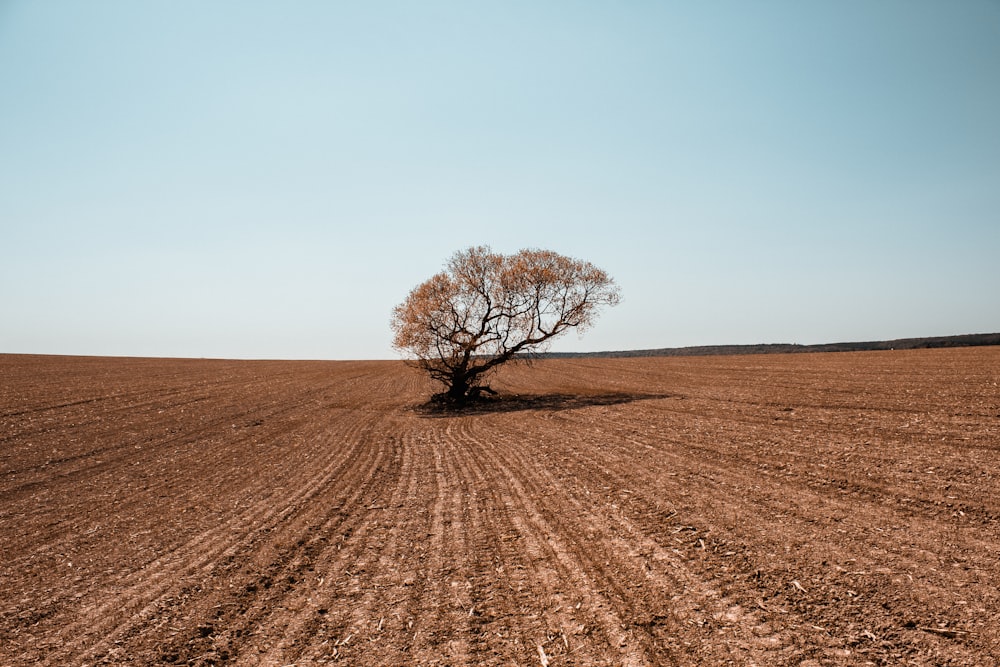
x: 458, y: 388
x: 464, y: 388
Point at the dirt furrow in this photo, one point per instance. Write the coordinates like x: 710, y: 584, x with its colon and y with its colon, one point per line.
x: 183, y: 570
x: 509, y: 616
x: 371, y: 594
x: 785, y: 510
x: 770, y: 556
x: 566, y: 570
x: 244, y: 606
x: 307, y: 561
x: 363, y: 587
x: 723, y: 483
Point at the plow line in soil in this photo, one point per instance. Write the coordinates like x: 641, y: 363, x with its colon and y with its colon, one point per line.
x: 783, y: 510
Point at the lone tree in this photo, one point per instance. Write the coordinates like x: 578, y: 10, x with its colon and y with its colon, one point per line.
x: 486, y: 308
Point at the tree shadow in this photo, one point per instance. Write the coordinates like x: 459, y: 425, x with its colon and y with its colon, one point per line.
x: 538, y: 402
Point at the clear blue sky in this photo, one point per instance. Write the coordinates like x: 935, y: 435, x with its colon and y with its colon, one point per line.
x: 268, y: 179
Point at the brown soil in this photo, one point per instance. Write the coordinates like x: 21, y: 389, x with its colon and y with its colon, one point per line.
x: 816, y: 509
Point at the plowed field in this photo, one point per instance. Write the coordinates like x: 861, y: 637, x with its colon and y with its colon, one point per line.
x: 813, y: 509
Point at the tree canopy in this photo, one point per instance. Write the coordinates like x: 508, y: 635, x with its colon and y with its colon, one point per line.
x: 486, y: 309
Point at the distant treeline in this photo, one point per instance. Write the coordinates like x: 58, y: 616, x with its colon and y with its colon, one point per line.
x: 967, y: 340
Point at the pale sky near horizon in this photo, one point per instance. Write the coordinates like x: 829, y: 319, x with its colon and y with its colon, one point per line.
x: 267, y: 180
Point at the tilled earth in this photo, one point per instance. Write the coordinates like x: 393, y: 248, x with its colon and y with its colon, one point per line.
x: 812, y: 509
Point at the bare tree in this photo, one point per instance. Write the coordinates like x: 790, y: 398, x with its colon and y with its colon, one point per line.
x: 486, y: 309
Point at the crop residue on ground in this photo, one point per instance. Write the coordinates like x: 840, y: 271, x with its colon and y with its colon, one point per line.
x: 780, y: 509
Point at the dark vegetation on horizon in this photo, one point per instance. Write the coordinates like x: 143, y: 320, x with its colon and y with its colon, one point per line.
x: 966, y: 340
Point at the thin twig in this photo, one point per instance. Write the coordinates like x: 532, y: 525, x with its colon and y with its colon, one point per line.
x: 952, y: 634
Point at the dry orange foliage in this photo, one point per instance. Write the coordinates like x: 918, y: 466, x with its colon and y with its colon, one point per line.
x: 485, y: 309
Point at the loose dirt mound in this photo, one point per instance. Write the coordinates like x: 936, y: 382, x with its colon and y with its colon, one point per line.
x: 780, y: 510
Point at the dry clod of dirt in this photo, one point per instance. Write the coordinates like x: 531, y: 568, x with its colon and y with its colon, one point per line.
x: 812, y: 509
